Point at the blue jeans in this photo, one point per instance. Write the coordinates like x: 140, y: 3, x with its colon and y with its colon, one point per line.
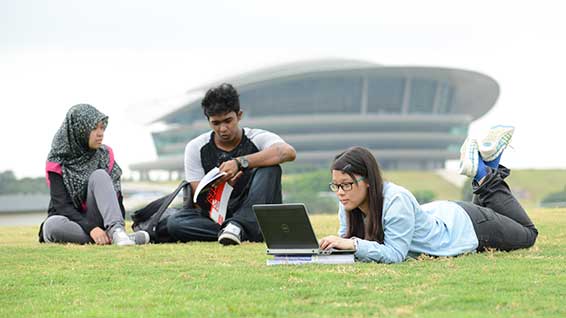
x: 499, y: 220
x: 195, y: 225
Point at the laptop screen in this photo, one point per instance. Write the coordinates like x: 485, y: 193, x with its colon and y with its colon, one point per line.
x: 286, y: 226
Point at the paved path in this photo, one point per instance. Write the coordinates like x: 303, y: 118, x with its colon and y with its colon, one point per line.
x: 21, y: 219
x: 139, y: 194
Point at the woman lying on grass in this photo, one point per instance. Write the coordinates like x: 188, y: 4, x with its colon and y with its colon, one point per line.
x: 384, y: 222
x: 84, y: 181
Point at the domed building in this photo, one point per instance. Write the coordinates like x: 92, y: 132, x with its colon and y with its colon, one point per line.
x: 410, y: 117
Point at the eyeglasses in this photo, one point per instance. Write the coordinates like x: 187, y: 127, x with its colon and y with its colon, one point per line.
x: 346, y: 186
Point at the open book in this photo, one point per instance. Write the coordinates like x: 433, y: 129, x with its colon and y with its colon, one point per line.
x: 218, y: 196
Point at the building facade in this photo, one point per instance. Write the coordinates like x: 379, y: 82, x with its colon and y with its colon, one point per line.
x: 410, y: 117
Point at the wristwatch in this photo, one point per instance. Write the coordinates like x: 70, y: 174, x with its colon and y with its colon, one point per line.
x: 242, y: 163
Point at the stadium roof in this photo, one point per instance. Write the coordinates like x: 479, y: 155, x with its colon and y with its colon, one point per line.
x: 473, y: 88
x: 288, y: 69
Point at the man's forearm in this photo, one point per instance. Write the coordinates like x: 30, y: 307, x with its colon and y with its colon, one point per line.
x: 274, y: 155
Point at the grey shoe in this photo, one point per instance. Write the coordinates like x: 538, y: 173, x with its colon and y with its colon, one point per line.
x: 139, y: 237
x: 121, y: 238
x: 230, y: 235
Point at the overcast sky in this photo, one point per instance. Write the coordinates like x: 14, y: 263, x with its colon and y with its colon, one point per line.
x: 125, y: 57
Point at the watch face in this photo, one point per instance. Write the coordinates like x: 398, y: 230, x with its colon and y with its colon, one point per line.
x: 244, y: 162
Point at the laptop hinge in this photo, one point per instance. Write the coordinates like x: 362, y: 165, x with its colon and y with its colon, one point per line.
x: 293, y: 251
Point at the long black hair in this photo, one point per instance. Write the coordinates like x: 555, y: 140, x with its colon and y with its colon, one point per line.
x: 360, y: 161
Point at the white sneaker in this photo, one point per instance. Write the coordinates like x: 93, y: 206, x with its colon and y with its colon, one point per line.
x: 469, y: 158
x: 495, y: 142
x: 139, y: 237
x: 230, y: 235
x: 121, y: 238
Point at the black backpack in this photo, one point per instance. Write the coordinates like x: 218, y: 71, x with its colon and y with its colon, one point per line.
x: 153, y: 217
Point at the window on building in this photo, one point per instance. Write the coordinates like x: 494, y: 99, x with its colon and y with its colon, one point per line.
x: 305, y: 96
x: 385, y: 95
x: 444, y: 98
x: 422, y: 96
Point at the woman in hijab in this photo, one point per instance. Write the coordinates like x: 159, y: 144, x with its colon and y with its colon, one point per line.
x: 84, y: 181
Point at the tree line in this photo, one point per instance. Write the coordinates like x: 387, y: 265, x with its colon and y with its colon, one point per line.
x: 9, y: 184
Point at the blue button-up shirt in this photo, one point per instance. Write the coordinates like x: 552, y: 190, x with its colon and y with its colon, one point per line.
x: 440, y: 228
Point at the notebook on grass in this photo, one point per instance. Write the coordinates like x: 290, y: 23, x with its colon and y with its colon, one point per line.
x: 287, y: 230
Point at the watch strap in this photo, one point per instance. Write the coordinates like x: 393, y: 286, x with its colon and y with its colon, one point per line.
x: 238, y: 163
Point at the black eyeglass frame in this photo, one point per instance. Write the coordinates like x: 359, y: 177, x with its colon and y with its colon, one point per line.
x: 346, y: 186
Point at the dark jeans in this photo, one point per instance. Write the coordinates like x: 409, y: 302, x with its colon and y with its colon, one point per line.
x: 195, y: 225
x: 500, y: 222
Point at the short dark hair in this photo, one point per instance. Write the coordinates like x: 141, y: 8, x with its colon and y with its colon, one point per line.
x: 221, y: 100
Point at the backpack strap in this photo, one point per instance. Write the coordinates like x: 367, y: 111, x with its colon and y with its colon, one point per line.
x: 168, y: 199
x: 148, y: 218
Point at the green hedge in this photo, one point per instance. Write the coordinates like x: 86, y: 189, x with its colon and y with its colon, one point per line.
x: 10, y: 185
x: 556, y: 199
x: 424, y: 196
x: 310, y: 188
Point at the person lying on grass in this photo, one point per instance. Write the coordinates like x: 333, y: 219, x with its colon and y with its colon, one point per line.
x: 384, y: 222
x: 84, y: 182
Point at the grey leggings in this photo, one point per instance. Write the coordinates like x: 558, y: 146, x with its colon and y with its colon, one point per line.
x: 499, y: 220
x: 103, y: 209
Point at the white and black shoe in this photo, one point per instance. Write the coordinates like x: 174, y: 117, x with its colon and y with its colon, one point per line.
x: 230, y: 235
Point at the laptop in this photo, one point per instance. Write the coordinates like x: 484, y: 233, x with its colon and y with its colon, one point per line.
x: 287, y: 230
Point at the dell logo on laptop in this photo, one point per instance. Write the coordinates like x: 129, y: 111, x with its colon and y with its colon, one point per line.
x: 285, y: 228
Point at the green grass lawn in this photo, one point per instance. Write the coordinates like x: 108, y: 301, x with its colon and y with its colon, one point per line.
x: 531, y: 186
x: 208, y: 280
x: 425, y: 180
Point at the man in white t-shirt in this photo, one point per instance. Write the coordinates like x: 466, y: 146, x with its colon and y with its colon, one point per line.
x: 249, y: 157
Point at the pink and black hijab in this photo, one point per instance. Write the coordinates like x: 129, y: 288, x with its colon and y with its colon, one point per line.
x: 71, y: 157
